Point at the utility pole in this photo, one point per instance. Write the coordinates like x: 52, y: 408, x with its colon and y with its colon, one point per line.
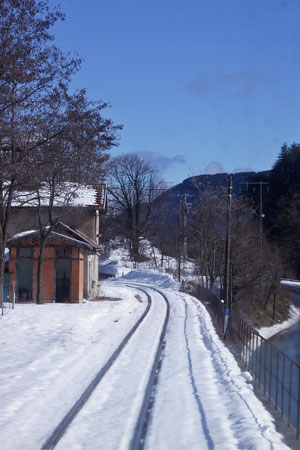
x: 228, y: 241
x: 179, y: 242
x: 227, y: 254
x: 185, y: 213
x: 260, y: 218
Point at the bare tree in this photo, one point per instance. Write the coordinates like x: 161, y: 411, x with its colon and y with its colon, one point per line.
x: 164, y: 231
x: 286, y: 230
x: 207, y: 235
x: 47, y: 136
x: 133, y: 186
x: 75, y: 157
x: 31, y: 69
x: 255, y: 272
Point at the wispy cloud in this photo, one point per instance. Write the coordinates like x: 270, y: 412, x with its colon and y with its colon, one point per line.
x: 214, y: 167
x: 237, y: 85
x: 161, y: 162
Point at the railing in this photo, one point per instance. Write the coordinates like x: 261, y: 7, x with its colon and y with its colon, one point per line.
x: 4, y: 295
x: 273, y: 371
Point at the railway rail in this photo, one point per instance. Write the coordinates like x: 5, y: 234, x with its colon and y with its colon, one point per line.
x: 140, y: 429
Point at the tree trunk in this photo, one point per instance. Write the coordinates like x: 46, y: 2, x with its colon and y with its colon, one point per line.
x: 39, y: 296
x: 2, y: 266
x: 2, y: 261
x: 135, y: 247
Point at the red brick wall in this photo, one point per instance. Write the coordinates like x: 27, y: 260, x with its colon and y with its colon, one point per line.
x: 48, y: 274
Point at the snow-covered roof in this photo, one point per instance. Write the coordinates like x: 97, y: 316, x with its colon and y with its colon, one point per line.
x: 81, y: 241
x: 23, y: 234
x: 67, y: 194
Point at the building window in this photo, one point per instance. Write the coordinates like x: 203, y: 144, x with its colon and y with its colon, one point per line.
x: 63, y: 253
x: 25, y: 252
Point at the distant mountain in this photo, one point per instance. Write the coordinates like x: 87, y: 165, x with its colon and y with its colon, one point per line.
x: 193, y: 186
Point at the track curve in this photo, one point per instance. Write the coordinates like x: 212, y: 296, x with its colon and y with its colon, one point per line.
x: 139, y: 435
x: 141, y: 417
x: 61, y: 428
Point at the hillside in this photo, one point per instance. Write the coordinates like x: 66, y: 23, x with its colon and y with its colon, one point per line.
x: 194, y: 187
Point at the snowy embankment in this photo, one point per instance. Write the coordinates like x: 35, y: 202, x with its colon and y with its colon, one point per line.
x: 294, y: 314
x: 268, y: 332
x: 50, y: 353
x: 293, y: 284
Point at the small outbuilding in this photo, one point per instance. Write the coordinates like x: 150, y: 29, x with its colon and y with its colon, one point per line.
x: 68, y: 265
x: 70, y: 259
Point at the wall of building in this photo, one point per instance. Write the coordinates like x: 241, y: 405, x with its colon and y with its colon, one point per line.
x: 90, y: 287
x: 48, y: 273
x: 77, y: 275
x: 83, y: 219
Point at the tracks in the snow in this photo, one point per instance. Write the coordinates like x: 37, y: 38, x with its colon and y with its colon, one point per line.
x: 138, y: 438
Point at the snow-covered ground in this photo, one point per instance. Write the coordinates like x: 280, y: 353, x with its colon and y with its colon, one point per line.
x: 49, y: 354
x: 267, y: 332
x: 118, y: 263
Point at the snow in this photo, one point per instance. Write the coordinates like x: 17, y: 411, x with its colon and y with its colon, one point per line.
x: 226, y: 413
x: 294, y: 317
x: 71, y: 194
x: 291, y: 283
x: 118, y: 263
x: 50, y: 353
x: 153, y: 278
x: 24, y: 234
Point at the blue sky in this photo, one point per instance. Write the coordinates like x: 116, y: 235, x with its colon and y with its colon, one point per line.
x: 201, y: 86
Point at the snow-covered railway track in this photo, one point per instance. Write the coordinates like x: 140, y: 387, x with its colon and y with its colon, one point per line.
x: 202, y: 400
x: 139, y: 435
x: 122, y: 358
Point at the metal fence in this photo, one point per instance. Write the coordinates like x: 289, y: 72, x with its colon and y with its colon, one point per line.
x: 273, y: 371
x: 4, y: 295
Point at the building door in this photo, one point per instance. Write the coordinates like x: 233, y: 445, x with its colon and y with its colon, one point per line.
x: 63, y: 270
x: 24, y: 279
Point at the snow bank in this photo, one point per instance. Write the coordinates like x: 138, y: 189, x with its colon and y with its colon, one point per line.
x: 113, y: 268
x: 119, y: 262
x: 267, y: 332
x: 291, y: 283
x: 151, y: 277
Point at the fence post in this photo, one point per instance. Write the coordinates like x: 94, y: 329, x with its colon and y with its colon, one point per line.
x: 226, y: 319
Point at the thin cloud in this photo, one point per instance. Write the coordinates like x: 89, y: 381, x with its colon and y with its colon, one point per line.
x: 238, y: 85
x: 213, y: 168
x: 161, y: 162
